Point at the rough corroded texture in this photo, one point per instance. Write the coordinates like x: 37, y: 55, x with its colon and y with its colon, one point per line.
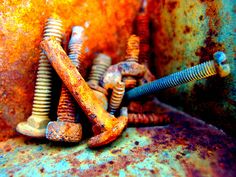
x: 21, y: 24
x: 186, y: 33
x: 187, y: 147
x: 106, y: 127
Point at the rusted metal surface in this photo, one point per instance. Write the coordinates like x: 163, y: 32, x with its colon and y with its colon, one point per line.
x: 186, y: 147
x: 22, y: 23
x: 185, y: 33
x: 116, y: 72
x: 106, y: 127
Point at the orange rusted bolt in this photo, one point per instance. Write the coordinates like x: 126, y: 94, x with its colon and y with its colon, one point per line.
x: 35, y: 126
x: 147, y: 119
x: 116, y: 97
x: 132, y: 53
x: 105, y: 127
x: 65, y: 128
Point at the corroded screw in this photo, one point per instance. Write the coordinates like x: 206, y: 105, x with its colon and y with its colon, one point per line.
x: 65, y: 128
x: 206, y: 69
x: 100, y: 65
x: 116, y: 97
x: 35, y: 125
x: 132, y: 53
x: 148, y: 119
x: 142, y: 26
x: 105, y: 126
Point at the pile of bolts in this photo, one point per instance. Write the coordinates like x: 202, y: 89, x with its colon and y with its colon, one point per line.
x: 106, y: 97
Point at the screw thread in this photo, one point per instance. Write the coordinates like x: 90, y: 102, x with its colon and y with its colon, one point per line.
x: 100, y: 65
x: 132, y: 53
x: 66, y: 111
x: 144, y: 35
x: 116, y: 97
x: 197, y: 72
x: 42, y: 95
x: 147, y: 119
x: 132, y: 50
x: 66, y: 107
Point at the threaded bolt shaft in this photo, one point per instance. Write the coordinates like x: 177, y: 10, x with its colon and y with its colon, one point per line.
x: 66, y: 108
x: 36, y: 123
x: 100, y: 65
x: 144, y: 35
x: 116, y: 97
x: 148, y: 119
x: 132, y: 53
x: 197, y: 72
x: 42, y: 96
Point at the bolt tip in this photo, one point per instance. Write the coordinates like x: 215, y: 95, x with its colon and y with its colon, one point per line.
x: 219, y: 56
x: 222, y: 67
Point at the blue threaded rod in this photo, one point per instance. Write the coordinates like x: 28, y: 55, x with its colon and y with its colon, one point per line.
x: 206, y: 69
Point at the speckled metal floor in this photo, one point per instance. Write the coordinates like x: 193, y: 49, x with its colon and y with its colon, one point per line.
x: 186, y: 147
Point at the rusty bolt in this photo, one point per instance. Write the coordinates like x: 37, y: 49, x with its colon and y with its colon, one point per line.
x: 105, y: 126
x: 132, y: 53
x: 100, y: 65
x: 65, y: 128
x: 142, y: 119
x: 35, y: 125
x: 116, y: 97
x: 115, y: 73
x: 206, y: 69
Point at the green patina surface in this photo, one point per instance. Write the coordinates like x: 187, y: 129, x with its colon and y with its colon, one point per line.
x: 186, y: 33
x: 186, y: 147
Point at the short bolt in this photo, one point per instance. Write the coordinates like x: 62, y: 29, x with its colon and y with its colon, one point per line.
x: 132, y: 53
x: 206, y: 69
x: 100, y: 65
x: 35, y: 125
x: 65, y: 128
x: 143, y: 119
x: 116, y: 97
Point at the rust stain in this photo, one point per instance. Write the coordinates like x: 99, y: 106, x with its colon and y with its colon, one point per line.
x: 187, y: 29
x: 206, y: 52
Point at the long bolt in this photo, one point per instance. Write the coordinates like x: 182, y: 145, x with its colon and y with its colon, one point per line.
x: 197, y: 72
x: 37, y: 122
x: 106, y: 127
x: 100, y: 65
x: 142, y: 26
x: 132, y: 53
x: 65, y: 128
x: 116, y: 97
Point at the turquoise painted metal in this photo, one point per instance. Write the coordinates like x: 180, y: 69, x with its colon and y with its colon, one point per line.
x: 186, y: 147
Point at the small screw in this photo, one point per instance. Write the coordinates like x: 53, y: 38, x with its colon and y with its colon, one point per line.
x: 100, y: 65
x: 116, y: 97
x: 65, y: 128
x: 132, y: 53
x: 197, y: 72
x: 35, y: 125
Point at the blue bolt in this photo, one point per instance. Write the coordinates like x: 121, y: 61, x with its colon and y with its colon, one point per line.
x: 203, y: 70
